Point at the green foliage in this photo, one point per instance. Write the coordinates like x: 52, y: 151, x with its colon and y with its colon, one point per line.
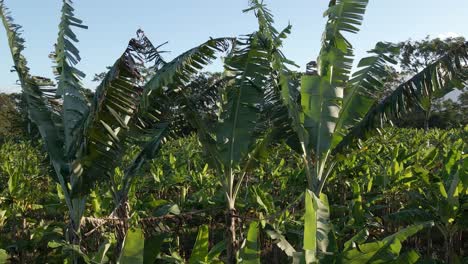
x: 435, y: 111
x: 261, y: 132
x: 379, y: 175
x: 412, y: 167
x: 442, y: 76
x: 200, y: 253
x: 445, y: 113
x: 152, y: 248
x: 364, y: 85
x: 384, y: 251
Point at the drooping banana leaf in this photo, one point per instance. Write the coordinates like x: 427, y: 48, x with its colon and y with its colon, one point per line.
x: 114, y: 105
x: 442, y: 76
x: 280, y: 240
x: 154, y: 115
x: 163, y: 94
x: 169, y: 81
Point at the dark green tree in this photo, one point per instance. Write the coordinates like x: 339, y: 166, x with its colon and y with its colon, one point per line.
x: 12, y: 117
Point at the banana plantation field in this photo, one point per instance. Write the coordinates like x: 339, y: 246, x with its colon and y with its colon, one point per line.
x: 261, y: 163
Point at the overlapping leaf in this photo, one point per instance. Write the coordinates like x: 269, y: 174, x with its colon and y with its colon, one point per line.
x: 181, y: 69
x: 114, y: 105
x: 320, y: 104
x: 161, y: 96
x: 249, y: 64
x: 282, y: 92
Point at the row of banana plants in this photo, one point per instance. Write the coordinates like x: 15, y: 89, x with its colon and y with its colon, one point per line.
x: 104, y: 143
x: 400, y: 197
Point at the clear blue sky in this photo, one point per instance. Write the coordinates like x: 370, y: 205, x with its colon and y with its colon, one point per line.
x: 187, y: 23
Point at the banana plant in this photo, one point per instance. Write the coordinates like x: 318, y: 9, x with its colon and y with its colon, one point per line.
x: 85, y: 140
x: 231, y: 140
x: 41, y: 108
x: 337, y: 107
x: 244, y: 125
x: 78, y: 137
x: 393, y: 185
